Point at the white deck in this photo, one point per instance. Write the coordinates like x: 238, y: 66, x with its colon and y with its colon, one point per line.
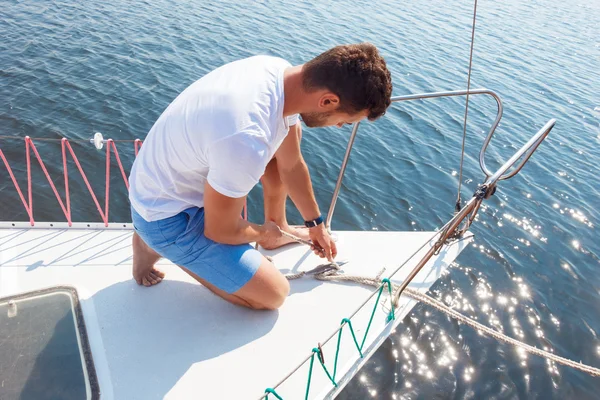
x: 177, y: 340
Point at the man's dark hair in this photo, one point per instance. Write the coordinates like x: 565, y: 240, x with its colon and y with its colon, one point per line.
x: 356, y: 73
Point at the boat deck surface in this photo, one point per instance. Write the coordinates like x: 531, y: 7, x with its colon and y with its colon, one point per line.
x: 178, y: 340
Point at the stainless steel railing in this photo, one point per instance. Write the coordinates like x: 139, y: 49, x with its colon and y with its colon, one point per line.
x: 421, y: 96
x: 470, y: 209
x: 483, y: 191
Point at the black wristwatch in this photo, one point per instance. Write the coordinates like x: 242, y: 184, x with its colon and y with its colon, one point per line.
x: 314, y: 222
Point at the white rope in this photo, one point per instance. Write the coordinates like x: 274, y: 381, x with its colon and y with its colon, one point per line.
x: 331, y: 272
x: 422, y: 297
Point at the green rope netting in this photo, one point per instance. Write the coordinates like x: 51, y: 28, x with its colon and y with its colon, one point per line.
x: 348, y: 323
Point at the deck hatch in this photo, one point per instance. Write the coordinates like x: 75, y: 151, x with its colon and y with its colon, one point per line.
x: 44, y: 349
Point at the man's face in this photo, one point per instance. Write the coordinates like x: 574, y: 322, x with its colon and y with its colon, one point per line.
x: 331, y: 118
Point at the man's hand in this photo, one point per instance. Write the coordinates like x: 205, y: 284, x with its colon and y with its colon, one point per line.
x: 323, y: 244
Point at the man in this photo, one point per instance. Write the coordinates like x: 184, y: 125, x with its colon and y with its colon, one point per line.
x: 233, y: 127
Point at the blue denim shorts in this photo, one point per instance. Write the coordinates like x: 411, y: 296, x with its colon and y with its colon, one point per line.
x: 181, y: 240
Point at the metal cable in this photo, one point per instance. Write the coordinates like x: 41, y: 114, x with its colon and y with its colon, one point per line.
x: 462, y: 153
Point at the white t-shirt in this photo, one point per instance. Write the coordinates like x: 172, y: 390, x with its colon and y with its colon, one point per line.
x: 223, y: 129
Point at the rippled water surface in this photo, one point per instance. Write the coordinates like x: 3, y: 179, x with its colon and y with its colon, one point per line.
x: 74, y: 68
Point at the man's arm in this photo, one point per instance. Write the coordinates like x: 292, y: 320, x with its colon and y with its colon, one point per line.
x: 296, y: 177
x: 223, y: 224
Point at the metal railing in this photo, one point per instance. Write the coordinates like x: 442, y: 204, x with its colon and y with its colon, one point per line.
x: 422, y: 96
x: 484, y: 191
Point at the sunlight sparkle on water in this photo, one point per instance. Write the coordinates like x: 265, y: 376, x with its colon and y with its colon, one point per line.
x: 539, y: 333
x: 469, y: 373
x: 579, y: 216
x: 483, y: 292
x: 404, y: 341
x: 444, y: 361
x: 524, y: 290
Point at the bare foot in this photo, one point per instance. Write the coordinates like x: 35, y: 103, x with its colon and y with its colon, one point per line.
x: 296, y: 230
x: 144, y: 259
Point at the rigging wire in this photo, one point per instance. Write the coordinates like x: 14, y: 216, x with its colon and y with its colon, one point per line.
x: 462, y: 153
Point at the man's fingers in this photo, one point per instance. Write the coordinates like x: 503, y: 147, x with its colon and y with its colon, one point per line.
x: 327, y: 250
x: 333, y: 249
x: 317, y: 250
x: 324, y: 247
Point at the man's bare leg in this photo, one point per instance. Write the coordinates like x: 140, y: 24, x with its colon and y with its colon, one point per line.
x: 144, y: 259
x: 275, y: 196
x: 267, y: 289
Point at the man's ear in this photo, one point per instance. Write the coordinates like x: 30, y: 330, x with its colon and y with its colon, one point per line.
x: 329, y: 102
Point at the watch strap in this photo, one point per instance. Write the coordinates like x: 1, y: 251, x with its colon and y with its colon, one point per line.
x: 315, y: 222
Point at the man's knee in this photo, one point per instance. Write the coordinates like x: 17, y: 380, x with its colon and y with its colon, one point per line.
x: 279, y: 295
x: 270, y: 294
